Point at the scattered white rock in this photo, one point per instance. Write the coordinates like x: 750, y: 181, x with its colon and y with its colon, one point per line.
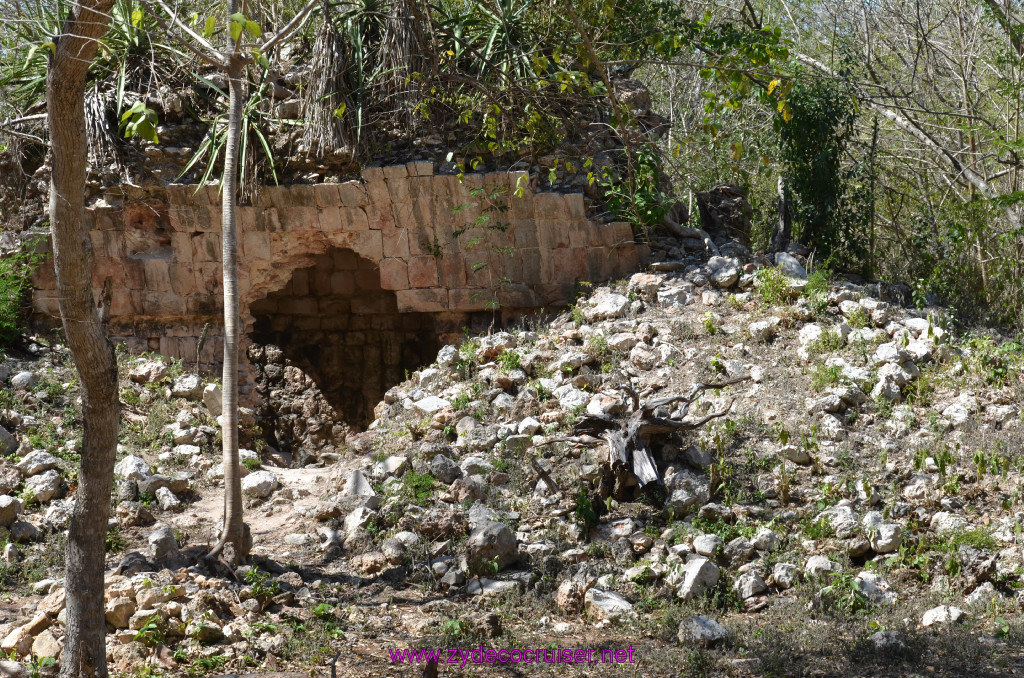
x: 943, y: 614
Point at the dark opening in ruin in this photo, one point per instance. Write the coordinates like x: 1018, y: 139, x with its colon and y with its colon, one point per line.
x: 335, y: 324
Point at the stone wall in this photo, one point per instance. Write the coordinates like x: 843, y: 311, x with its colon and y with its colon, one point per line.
x: 331, y: 258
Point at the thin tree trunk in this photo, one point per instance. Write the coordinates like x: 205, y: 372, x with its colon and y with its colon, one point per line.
x: 84, y: 653
x: 784, y: 225
x: 234, y: 528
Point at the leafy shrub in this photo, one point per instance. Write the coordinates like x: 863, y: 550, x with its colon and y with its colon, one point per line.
x: 15, y: 283
x: 825, y: 376
x: 772, y: 287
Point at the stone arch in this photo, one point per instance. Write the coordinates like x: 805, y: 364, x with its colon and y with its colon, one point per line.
x: 333, y: 321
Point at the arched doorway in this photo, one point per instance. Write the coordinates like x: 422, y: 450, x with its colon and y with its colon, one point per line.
x: 334, y: 325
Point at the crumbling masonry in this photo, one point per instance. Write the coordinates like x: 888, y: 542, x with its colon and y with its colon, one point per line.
x: 356, y: 282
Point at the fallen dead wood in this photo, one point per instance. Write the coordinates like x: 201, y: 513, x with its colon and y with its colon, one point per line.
x: 631, y: 465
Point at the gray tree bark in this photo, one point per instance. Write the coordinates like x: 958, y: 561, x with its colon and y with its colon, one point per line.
x: 233, y: 545
x: 784, y: 225
x: 84, y: 651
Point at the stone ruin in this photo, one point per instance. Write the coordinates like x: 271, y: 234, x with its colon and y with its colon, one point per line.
x: 356, y: 282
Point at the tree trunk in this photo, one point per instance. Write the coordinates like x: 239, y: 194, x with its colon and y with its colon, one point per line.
x: 84, y: 651
x: 234, y: 533
x: 784, y: 226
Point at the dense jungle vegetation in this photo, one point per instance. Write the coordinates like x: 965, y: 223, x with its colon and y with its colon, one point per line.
x: 894, y: 126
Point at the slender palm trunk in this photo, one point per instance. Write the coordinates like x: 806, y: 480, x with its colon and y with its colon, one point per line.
x: 84, y: 653
x: 234, y: 528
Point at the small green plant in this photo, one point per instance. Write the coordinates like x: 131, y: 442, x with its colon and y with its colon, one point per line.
x: 36, y: 667
x: 717, y: 364
x: 709, y: 324
x: 577, y: 316
x: 454, y: 629
x: 263, y: 586
x: 585, y: 513
x: 251, y: 463
x: 16, y: 271
x: 115, y: 541
x: 825, y: 376
x: 817, y: 529
x: 150, y: 634
x: 828, y: 341
x: 460, y: 402
x: 597, y: 346
x: 418, y: 486
x: 844, y: 593
x: 772, y: 287
x: 859, y: 319
x: 509, y: 360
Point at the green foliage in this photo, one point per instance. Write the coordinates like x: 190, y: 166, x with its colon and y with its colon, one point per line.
x: 814, y: 129
x: 140, y: 121
x: 710, y: 325
x: 773, y: 287
x: 418, y: 486
x: 262, y: 584
x: 15, y: 282
x: 859, y: 319
x: 637, y: 197
x: 842, y: 592
x: 115, y: 542
x: 995, y: 361
x: 509, y: 360
x: 585, y: 512
x: 829, y: 340
x: 825, y: 376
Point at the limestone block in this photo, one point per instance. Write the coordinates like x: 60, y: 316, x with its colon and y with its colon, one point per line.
x: 330, y: 219
x: 181, y: 247
x: 422, y: 272
x: 400, y: 189
x: 256, y: 246
x: 183, y: 279
x: 422, y: 241
x: 524, y: 233
x: 470, y: 299
x: 420, y: 169
x: 395, y: 172
x: 267, y: 219
x: 552, y: 234
x: 206, y: 247
x: 125, y: 303
x: 403, y: 214
x: 46, y: 302
x: 300, y: 218
x: 373, y: 174
x: 395, y: 243
x: 551, y: 206
x: 301, y: 196
x: 452, y: 269
x: 377, y: 193
x: 425, y: 300
x: 354, y: 219
x: 343, y: 282
x: 379, y: 215
x: 326, y: 195
x: 394, y: 275
x: 158, y: 277
x: 574, y: 204
x: 352, y: 194
x: 162, y: 304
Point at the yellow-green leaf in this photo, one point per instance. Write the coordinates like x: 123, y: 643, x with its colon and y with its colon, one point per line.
x: 772, y: 85
x: 209, y: 26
